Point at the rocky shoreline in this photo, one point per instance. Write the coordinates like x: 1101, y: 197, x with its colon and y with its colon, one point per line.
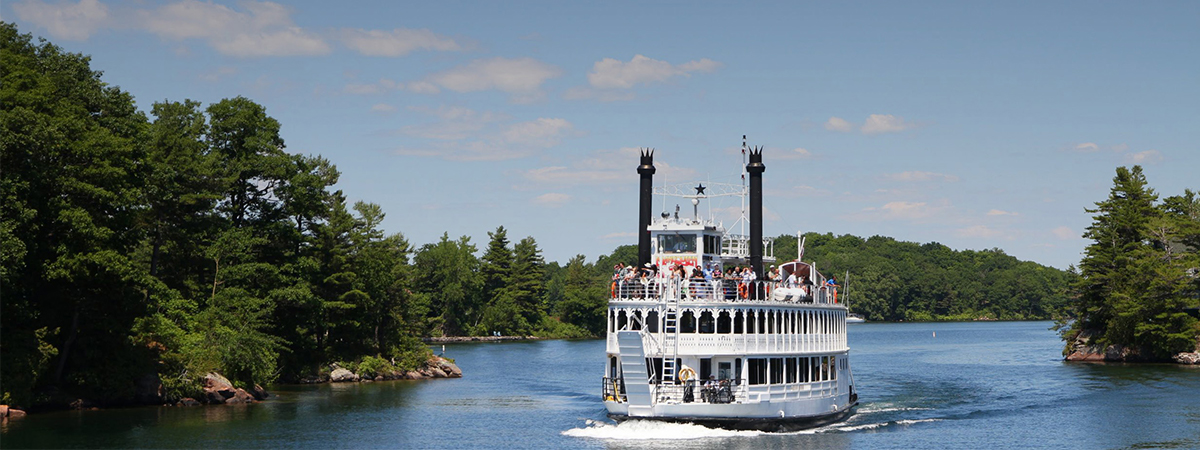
x: 1083, y: 350
x: 218, y: 390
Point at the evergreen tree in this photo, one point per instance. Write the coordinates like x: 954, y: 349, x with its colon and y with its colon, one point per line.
x: 447, y: 274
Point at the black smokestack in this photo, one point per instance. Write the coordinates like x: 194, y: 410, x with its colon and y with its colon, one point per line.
x: 756, y: 168
x: 646, y: 170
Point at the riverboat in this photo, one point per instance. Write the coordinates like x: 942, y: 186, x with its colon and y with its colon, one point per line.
x: 686, y: 342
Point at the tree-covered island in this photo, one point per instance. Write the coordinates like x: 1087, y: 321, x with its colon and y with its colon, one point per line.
x: 1138, y: 288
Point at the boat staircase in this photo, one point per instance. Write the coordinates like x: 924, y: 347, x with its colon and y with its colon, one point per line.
x: 670, y: 342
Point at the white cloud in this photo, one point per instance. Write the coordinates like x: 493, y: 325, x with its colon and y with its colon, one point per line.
x: 262, y: 29
x: 997, y: 212
x: 398, y: 42
x: 1064, y: 233
x: 838, y: 124
x: 1148, y: 156
x: 920, y: 176
x: 216, y: 75
x: 1120, y: 147
x: 906, y: 210
x: 543, y: 132
x: 978, y: 231
x: 466, y: 135
x: 383, y: 85
x: 423, y: 87
x: 621, y: 235
x: 796, y: 153
x: 610, y: 73
x: 605, y: 167
x: 455, y: 123
x: 522, y: 77
x: 552, y: 199
x: 64, y: 20
x: 604, y: 95
x: 383, y: 108
x: 884, y: 123
x: 1087, y: 147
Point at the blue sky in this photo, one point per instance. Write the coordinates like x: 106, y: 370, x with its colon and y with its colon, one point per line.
x: 974, y: 124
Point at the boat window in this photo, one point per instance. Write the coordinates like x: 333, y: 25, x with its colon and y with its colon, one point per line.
x: 612, y: 321
x: 738, y: 323
x: 723, y: 323
x: 737, y: 369
x: 750, y: 322
x: 758, y: 370
x: 652, y: 321
x: 707, y: 325
x: 687, y: 323
x: 815, y: 369
x: 724, y: 370
x: 791, y: 370
x: 762, y: 323
x: 776, y: 370
x: 621, y: 320
x: 803, y: 369
x: 824, y: 368
x: 833, y: 368
x: 637, y: 321
x: 705, y: 368
x: 771, y: 328
x: 677, y: 243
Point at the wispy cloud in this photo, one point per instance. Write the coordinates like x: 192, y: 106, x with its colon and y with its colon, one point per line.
x: 552, y: 199
x: 65, y: 20
x: 875, y: 124
x: 1064, y: 233
x: 978, y: 231
x: 259, y: 29
x: 396, y: 42
x: 997, y: 212
x: 520, y: 77
x: 1145, y: 157
x: 603, y: 167
x: 611, y: 79
x: 383, y: 108
x: 913, y: 176
x: 839, y: 124
x: 884, y: 123
x: 464, y: 134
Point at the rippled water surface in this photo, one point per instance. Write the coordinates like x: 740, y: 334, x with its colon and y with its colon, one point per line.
x: 949, y: 385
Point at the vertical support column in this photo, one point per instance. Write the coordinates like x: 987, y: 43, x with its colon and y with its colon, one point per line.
x: 646, y: 170
x: 756, y: 169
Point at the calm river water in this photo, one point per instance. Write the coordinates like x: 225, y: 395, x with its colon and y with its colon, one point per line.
x: 944, y: 385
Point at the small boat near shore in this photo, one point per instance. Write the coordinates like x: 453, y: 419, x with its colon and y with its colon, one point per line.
x: 688, y: 343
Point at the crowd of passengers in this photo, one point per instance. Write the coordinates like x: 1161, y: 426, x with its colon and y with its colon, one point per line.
x: 694, y: 282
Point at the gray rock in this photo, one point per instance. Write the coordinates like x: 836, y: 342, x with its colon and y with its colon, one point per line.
x: 1187, y: 358
x: 240, y: 396
x: 340, y: 375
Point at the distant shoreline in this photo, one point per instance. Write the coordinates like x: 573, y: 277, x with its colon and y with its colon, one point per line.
x: 461, y: 339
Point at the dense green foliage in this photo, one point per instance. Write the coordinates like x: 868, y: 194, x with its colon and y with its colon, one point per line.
x: 893, y: 280
x: 1140, y: 271
x: 191, y: 241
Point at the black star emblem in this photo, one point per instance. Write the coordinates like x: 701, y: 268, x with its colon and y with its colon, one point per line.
x: 700, y: 189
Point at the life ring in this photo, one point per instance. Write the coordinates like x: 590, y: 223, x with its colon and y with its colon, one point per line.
x: 687, y: 374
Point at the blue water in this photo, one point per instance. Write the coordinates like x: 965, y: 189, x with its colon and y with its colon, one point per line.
x: 973, y: 385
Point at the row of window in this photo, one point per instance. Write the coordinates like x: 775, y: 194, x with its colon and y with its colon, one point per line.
x: 791, y: 370
x: 749, y: 321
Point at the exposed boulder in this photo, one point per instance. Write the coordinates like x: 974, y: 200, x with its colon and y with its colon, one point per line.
x: 1187, y: 358
x: 340, y: 375
x: 259, y: 393
x: 217, y: 389
x: 240, y: 396
x: 14, y: 413
x: 187, y: 401
x: 450, y: 369
x: 3, y: 410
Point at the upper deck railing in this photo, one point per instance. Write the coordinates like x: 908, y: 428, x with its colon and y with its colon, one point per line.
x: 719, y: 290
